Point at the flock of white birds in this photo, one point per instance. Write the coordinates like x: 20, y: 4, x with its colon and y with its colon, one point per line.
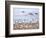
x: 24, y: 17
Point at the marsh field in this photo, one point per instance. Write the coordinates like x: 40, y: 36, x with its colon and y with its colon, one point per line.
x: 26, y: 26
x: 25, y: 18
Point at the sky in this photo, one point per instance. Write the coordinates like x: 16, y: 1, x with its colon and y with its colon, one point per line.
x: 20, y: 14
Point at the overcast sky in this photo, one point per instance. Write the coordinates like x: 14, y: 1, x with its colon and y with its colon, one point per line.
x: 23, y: 13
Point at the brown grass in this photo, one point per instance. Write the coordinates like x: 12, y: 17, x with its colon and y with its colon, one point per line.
x: 26, y: 26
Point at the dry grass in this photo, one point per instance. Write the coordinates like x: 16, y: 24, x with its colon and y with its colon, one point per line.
x: 26, y: 26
